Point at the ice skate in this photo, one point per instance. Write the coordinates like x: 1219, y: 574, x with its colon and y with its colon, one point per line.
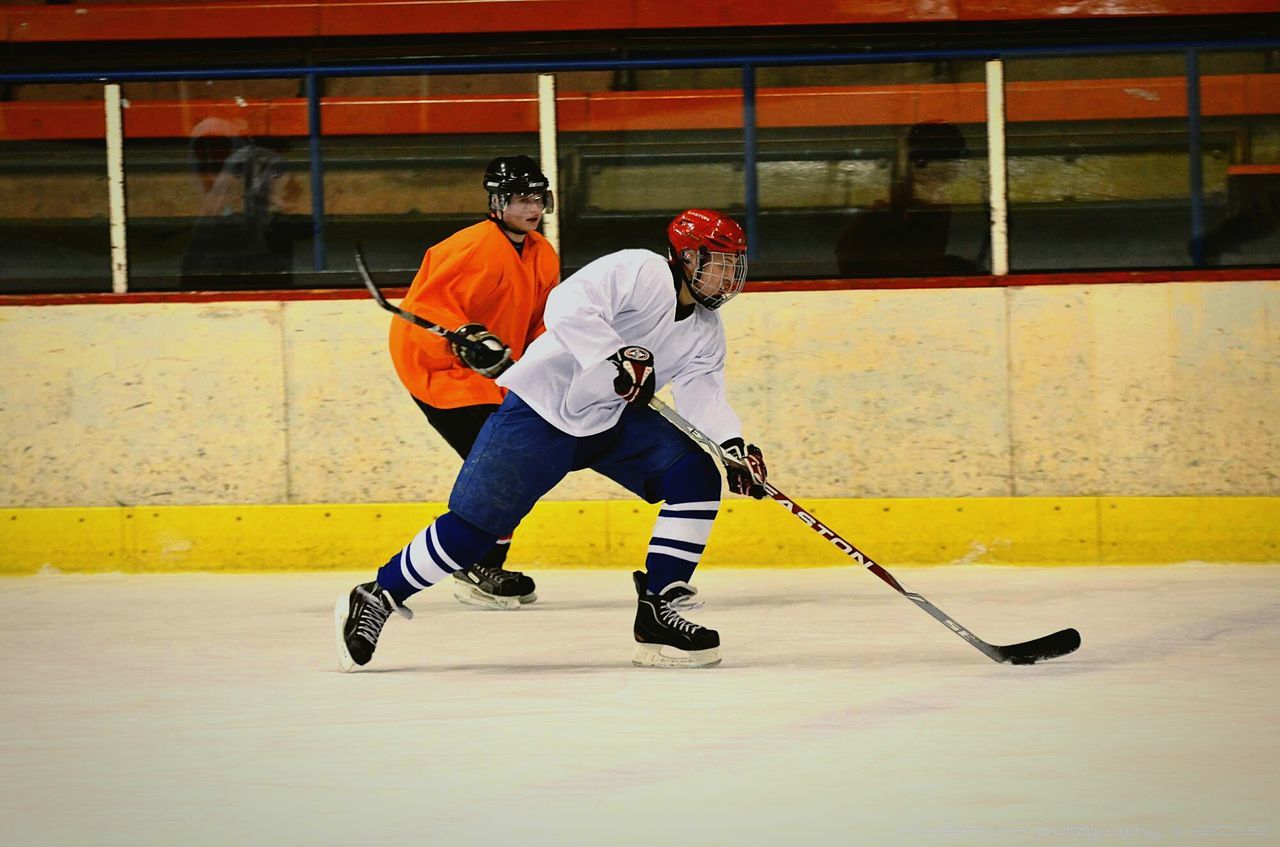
x: 493, y: 587
x: 358, y: 619
x: 666, y: 640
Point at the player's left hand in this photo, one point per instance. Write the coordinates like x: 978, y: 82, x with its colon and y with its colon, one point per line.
x: 745, y: 480
x: 487, y: 355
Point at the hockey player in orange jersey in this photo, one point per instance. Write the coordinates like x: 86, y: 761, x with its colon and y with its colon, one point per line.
x: 490, y: 282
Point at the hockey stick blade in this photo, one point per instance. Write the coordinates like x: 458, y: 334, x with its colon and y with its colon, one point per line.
x: 1052, y: 646
x: 1026, y: 653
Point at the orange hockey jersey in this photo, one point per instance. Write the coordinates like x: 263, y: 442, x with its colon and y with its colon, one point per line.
x: 473, y: 276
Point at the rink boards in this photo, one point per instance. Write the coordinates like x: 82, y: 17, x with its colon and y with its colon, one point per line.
x: 1049, y: 424
x: 615, y: 534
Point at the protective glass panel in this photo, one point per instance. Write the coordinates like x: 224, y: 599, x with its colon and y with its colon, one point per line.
x: 638, y: 147
x: 404, y: 159
x: 1098, y: 163
x: 54, y: 228
x: 216, y: 184
x: 872, y: 170
x: 1240, y: 141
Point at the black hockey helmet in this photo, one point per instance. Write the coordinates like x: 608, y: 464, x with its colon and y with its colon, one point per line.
x: 508, y: 175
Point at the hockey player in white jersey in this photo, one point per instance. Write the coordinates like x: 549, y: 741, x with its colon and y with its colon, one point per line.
x: 625, y: 325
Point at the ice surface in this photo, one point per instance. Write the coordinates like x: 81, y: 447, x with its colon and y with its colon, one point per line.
x: 208, y: 710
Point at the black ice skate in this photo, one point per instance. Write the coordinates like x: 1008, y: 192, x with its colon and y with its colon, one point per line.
x: 359, y: 618
x: 666, y: 640
x: 493, y: 587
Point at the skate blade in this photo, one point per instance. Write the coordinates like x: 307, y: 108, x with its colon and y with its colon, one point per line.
x: 528, y: 598
x: 665, y: 656
x: 467, y: 593
x: 341, y: 610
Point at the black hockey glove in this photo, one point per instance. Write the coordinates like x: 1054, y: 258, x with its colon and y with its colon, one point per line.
x: 490, y: 358
x: 740, y: 479
x: 635, y: 380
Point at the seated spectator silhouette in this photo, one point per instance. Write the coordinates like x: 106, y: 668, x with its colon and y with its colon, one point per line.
x: 1253, y: 213
x: 909, y: 235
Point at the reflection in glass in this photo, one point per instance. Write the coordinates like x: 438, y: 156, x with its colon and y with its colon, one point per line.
x: 244, y: 187
x: 911, y: 233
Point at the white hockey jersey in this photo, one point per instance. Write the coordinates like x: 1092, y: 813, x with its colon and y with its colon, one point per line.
x: 624, y: 298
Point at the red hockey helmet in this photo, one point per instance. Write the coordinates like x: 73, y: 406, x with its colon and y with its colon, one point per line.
x: 719, y: 249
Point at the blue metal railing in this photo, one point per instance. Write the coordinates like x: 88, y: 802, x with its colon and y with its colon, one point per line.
x: 1196, y: 163
x: 751, y: 189
x: 748, y: 63
x: 317, y: 173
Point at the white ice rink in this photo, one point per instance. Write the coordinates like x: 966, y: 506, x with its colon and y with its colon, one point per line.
x: 208, y: 710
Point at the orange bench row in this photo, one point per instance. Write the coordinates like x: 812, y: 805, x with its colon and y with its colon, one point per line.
x: 239, y: 19
x: 1076, y: 100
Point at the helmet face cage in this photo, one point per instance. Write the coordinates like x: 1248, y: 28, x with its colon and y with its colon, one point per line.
x: 498, y: 201
x: 717, y: 277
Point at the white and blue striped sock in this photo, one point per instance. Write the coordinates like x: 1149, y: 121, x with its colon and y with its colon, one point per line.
x: 679, y: 536
x: 448, y: 545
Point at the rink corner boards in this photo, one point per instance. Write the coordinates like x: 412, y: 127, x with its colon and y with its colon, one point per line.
x: 1060, y: 531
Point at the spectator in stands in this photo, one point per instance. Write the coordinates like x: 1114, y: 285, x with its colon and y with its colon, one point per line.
x: 910, y: 234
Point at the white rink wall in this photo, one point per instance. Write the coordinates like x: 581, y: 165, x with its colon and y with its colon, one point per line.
x: 1144, y: 389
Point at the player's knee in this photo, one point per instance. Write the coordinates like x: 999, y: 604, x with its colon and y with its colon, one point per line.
x: 693, y: 479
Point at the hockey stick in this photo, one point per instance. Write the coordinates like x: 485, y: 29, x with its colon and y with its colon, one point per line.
x: 1028, y: 652
x: 447, y: 334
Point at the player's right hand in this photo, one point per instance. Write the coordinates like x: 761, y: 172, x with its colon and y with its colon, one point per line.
x: 748, y: 472
x: 635, y: 380
x: 486, y: 355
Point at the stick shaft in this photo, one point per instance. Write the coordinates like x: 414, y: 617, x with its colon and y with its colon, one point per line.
x: 416, y: 320
x: 826, y: 532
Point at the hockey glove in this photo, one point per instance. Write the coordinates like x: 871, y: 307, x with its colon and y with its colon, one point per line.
x: 488, y: 356
x: 745, y: 480
x: 635, y: 380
